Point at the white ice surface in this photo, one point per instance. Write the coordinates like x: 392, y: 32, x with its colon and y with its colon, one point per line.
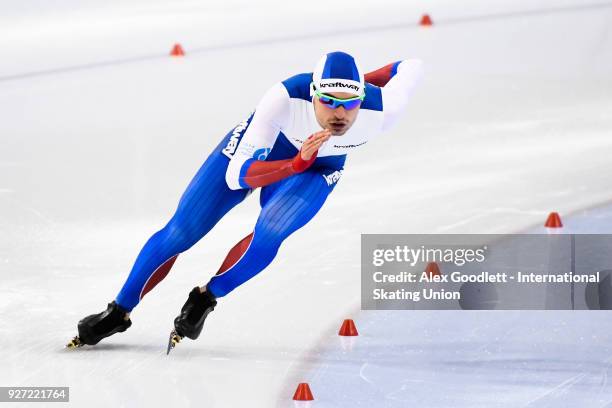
x: 101, y: 132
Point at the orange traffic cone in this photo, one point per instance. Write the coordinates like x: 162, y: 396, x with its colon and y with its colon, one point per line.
x: 303, y: 393
x: 426, y: 21
x: 432, y: 269
x: 177, y: 51
x: 348, y: 328
x: 553, y: 221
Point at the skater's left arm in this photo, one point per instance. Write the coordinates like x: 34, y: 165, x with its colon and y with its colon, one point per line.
x: 397, y: 81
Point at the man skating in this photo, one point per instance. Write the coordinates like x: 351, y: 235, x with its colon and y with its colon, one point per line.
x: 293, y: 147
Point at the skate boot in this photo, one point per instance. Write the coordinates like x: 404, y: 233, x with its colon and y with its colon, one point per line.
x: 95, y: 327
x: 191, y: 320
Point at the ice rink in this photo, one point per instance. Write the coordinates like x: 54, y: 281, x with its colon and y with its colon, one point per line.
x: 101, y: 131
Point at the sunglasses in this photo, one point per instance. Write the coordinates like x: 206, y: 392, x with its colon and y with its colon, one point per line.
x: 333, y: 103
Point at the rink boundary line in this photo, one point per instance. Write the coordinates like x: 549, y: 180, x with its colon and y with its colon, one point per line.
x: 302, y: 37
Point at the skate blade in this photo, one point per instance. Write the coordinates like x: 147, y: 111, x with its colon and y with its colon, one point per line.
x: 74, y: 343
x: 174, y: 339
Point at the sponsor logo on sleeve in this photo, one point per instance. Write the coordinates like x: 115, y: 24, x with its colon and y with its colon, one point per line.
x: 234, y: 139
x: 261, y: 154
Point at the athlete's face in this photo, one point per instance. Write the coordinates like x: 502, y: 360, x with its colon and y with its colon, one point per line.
x: 337, y: 120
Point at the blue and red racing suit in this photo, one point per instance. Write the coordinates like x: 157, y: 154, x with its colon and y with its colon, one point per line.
x: 264, y: 151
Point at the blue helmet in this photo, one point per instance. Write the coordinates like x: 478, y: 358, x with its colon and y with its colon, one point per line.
x: 338, y: 72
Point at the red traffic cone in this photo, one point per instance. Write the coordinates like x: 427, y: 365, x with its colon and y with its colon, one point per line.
x: 177, y: 51
x: 426, y: 21
x: 303, y: 393
x: 553, y: 221
x: 432, y: 269
x: 348, y: 328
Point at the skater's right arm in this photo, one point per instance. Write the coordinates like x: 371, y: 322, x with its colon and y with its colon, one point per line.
x: 248, y: 168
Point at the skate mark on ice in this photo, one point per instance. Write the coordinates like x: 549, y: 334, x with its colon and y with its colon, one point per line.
x: 362, y: 375
x: 558, y: 389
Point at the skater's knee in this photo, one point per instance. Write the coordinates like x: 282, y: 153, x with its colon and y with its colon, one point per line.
x: 266, y: 239
x: 270, y: 232
x: 181, y: 233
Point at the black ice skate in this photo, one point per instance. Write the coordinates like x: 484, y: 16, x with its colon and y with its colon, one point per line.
x: 95, y: 327
x: 191, y: 320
